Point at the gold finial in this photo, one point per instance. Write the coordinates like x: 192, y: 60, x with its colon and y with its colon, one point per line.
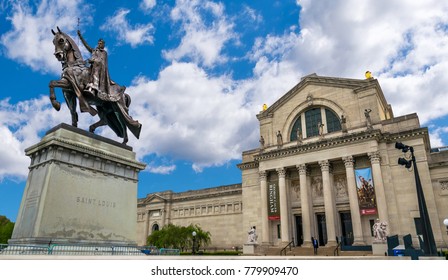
x: 265, y: 107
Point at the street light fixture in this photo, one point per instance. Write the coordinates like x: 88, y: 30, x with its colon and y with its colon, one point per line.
x: 194, y: 242
x: 429, y: 244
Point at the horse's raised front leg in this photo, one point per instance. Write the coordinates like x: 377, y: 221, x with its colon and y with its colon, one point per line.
x: 53, y: 100
x: 60, y: 84
x: 70, y: 98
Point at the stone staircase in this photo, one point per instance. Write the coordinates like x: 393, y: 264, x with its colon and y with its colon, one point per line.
x: 322, y: 251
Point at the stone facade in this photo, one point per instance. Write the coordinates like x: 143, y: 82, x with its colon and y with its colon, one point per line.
x: 330, y: 128
x: 217, y: 210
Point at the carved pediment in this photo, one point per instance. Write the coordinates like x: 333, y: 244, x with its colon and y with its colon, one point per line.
x: 153, y: 199
x: 356, y: 85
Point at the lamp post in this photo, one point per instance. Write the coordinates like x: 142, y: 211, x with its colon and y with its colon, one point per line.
x: 429, y: 244
x: 194, y: 242
x: 445, y: 222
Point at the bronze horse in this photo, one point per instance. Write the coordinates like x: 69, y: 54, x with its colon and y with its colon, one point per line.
x: 112, y: 109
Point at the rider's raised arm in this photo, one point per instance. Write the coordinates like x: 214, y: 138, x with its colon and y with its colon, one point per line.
x: 84, y: 42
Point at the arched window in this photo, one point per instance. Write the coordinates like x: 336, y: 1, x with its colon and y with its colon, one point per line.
x: 333, y: 122
x: 155, y: 227
x: 297, y: 126
x: 313, y: 117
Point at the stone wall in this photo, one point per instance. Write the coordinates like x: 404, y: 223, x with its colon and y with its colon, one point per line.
x: 217, y: 210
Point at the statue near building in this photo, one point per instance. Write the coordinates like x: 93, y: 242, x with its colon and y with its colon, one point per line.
x: 343, y: 123
x: 320, y: 127
x: 261, y: 142
x: 299, y: 136
x: 380, y: 230
x: 92, y: 86
x: 279, y: 138
x: 252, y: 235
x: 368, y: 120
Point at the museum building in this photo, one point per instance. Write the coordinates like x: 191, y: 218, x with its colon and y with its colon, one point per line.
x: 327, y: 167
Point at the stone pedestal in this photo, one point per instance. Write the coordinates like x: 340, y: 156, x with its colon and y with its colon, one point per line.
x: 379, y: 248
x: 250, y: 249
x: 81, y: 189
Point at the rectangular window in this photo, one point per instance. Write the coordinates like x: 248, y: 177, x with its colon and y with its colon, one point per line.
x: 279, y: 231
x: 313, y: 118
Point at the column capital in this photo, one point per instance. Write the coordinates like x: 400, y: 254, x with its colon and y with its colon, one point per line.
x: 349, y: 161
x: 263, y: 175
x: 324, y: 165
x: 281, y: 172
x: 303, y: 169
x: 375, y: 157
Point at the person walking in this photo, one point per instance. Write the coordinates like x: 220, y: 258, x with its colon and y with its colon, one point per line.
x: 315, y: 245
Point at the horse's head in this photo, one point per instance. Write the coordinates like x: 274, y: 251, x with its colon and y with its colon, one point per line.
x: 61, y: 45
x: 65, y: 49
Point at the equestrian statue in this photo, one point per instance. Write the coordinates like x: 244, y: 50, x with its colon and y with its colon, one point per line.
x: 89, y: 82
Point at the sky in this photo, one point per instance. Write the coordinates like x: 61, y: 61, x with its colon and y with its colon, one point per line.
x: 198, y: 72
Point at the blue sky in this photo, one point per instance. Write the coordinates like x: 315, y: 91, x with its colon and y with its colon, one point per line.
x: 198, y: 72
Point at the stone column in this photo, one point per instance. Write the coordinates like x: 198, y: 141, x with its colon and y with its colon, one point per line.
x: 264, y: 208
x: 162, y: 217
x: 375, y: 160
x: 305, y: 204
x: 329, y: 201
x: 284, y: 213
x: 146, y: 229
x: 353, y: 199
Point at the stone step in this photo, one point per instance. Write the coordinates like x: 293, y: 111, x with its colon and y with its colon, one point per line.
x: 321, y: 251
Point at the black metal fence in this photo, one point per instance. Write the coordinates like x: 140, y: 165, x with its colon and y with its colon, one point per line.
x: 84, y: 250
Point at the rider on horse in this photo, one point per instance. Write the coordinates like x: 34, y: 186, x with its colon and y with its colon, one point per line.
x: 92, y: 87
x: 100, y: 83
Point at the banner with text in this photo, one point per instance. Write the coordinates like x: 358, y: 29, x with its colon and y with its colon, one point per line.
x: 366, y: 191
x: 273, y: 202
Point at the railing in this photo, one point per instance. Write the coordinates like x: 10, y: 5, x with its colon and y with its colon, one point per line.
x: 290, y: 244
x: 84, y: 250
x: 169, y: 252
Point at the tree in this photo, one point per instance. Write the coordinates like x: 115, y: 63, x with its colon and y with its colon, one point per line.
x: 6, y: 228
x: 179, y: 237
x: 202, y: 237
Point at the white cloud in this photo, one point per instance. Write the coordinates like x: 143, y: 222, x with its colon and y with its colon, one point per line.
x: 191, y: 116
x: 30, y: 40
x: 22, y: 125
x: 435, y: 136
x: 252, y: 14
x: 147, y: 5
x: 133, y: 35
x: 161, y: 169
x: 13, y: 162
x: 203, y: 40
x: 402, y: 43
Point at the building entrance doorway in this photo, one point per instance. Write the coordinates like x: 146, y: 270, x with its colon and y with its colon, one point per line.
x: 321, y: 229
x: 347, y: 228
x: 299, y: 231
